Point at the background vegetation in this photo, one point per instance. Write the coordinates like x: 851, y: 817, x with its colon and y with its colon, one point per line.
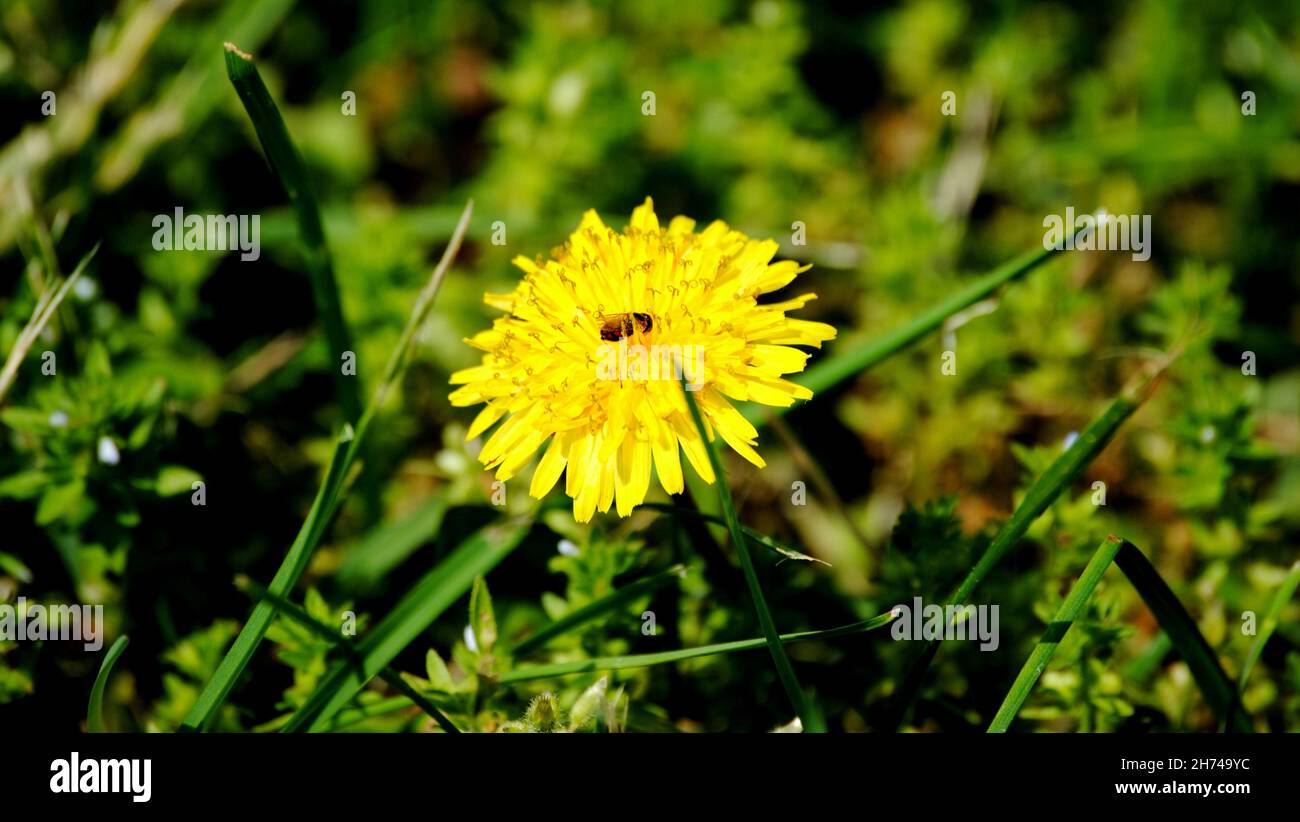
x: 198, y: 366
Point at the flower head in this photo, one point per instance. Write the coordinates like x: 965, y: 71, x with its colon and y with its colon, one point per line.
x: 597, y: 340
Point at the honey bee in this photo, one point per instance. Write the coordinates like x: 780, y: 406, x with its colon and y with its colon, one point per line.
x: 617, y: 327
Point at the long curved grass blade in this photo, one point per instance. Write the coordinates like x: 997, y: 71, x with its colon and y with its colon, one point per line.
x: 287, y: 164
x: 1044, y: 491
x: 347, y: 647
x: 328, y: 499
x: 591, y: 610
x: 1187, y: 639
x: 1267, y: 626
x: 755, y: 536
x: 95, y: 711
x: 414, y: 613
x: 834, y: 370
x: 616, y: 663
x: 784, y: 670
x: 1055, y: 633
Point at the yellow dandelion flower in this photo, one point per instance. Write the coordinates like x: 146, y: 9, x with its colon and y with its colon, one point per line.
x: 596, y: 340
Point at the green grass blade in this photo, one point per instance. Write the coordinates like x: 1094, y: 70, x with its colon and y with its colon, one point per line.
x: 345, y: 645
x: 414, y: 613
x: 1044, y: 491
x: 1054, y: 481
x: 1148, y: 659
x: 754, y: 536
x: 95, y: 712
x: 328, y: 499
x: 832, y: 371
x: 388, y: 545
x: 1284, y: 594
x: 1215, y: 686
x: 591, y: 610
x: 784, y: 670
x: 1055, y: 633
x: 616, y: 663
x: 287, y: 164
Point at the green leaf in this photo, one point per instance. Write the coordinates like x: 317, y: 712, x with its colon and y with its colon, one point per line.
x: 287, y: 164
x: 482, y: 620
x: 95, y: 712
x: 15, y: 568
x: 784, y: 670
x: 176, y: 479
x: 60, y: 501
x: 98, y: 363
x: 24, y: 484
x: 26, y: 420
x: 447, y: 582
x: 436, y: 670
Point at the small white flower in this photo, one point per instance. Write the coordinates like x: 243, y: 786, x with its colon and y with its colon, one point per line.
x: 470, y: 641
x: 59, y: 419
x: 567, y: 548
x: 85, y: 288
x: 108, y: 453
x: 1207, y: 434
